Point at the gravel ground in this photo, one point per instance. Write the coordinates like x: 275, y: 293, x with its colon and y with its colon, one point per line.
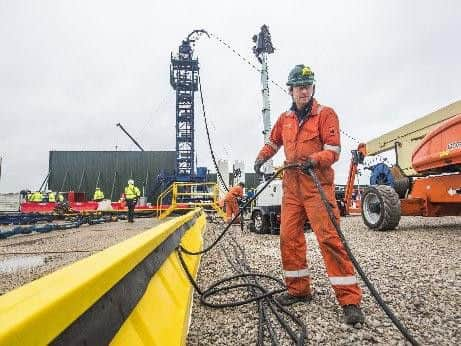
x: 415, y: 268
x: 24, y: 258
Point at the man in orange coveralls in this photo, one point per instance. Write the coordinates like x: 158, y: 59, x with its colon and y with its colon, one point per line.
x: 230, y: 201
x: 309, y: 133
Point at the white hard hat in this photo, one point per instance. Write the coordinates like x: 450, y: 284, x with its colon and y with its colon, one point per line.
x: 131, y: 181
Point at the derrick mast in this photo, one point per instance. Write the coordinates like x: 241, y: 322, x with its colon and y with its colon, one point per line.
x: 184, y: 79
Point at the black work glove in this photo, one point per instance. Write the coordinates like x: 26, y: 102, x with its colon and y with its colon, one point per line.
x: 308, y: 164
x: 257, y: 166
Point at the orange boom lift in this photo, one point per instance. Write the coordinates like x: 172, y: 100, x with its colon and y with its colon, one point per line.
x: 426, y: 179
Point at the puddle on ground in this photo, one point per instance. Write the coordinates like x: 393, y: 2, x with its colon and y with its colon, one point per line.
x: 11, y: 265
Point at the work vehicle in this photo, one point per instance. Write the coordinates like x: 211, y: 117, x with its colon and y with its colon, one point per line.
x: 265, y: 214
x: 426, y: 179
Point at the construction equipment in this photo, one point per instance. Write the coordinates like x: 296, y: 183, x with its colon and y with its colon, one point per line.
x: 184, y: 71
x: 188, y: 187
x: 131, y: 137
x: 426, y: 179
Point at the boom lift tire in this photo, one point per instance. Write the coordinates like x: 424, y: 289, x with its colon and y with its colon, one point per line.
x: 381, y: 208
x: 401, y: 186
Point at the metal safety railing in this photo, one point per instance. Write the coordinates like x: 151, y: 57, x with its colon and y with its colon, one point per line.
x: 187, y: 196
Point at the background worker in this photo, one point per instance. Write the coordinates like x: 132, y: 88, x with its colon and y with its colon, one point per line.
x: 231, y: 203
x: 36, y: 197
x: 98, y: 195
x: 51, y: 196
x: 132, y: 194
x: 309, y: 133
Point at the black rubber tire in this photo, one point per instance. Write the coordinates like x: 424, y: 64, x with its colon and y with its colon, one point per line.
x: 401, y: 186
x: 381, y: 208
x: 260, y: 223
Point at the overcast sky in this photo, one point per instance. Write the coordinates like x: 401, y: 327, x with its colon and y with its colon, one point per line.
x: 70, y: 70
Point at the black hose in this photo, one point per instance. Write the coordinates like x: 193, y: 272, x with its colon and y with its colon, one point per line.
x: 247, y: 203
x: 357, y: 266
x: 218, y: 173
x: 271, y: 302
x: 262, y: 295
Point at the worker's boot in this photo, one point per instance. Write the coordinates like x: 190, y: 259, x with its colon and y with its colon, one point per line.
x: 353, y: 314
x: 286, y: 299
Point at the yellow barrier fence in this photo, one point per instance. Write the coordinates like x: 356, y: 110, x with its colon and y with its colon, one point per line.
x: 132, y: 293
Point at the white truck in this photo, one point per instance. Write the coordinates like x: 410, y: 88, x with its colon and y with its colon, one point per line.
x: 265, y: 214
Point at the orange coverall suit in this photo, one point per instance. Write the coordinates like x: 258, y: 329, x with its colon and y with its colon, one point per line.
x: 317, y: 137
x: 230, y: 201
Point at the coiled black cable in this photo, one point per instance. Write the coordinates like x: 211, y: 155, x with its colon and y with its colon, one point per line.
x: 260, y: 293
x: 240, y: 264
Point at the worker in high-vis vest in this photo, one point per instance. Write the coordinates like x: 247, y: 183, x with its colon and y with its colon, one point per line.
x: 98, y: 195
x: 36, y: 197
x: 132, y: 194
x: 51, y: 197
x: 309, y: 134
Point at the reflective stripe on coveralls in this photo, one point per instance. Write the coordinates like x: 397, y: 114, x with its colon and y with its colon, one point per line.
x: 296, y: 273
x: 335, y: 148
x: 316, y: 138
x: 343, y: 280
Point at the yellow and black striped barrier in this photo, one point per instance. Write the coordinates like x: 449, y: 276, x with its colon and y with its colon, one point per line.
x: 132, y: 293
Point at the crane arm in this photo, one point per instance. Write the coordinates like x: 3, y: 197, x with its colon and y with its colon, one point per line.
x: 126, y: 132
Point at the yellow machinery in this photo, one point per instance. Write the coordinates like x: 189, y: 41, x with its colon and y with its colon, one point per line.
x: 203, y: 195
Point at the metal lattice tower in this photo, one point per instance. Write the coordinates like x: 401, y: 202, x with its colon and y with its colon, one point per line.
x: 183, y: 78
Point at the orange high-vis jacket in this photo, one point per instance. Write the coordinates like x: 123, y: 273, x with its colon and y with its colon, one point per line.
x: 317, y: 137
x: 234, y: 192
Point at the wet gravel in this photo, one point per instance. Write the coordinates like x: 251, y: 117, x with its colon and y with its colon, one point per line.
x: 416, y: 268
x: 24, y: 258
